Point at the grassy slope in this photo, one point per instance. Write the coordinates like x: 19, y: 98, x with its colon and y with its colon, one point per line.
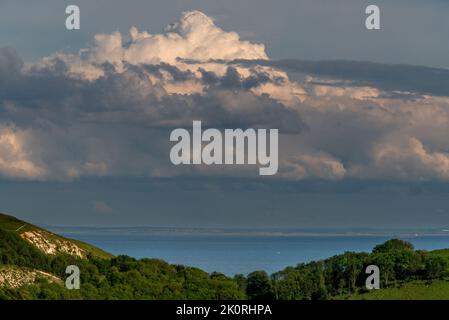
x: 13, y: 224
x: 416, y: 290
x: 444, y: 253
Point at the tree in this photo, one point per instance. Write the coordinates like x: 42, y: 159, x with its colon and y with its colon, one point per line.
x: 259, y: 286
x: 393, y: 245
x: 241, y: 281
x: 435, y: 267
x: 386, y: 262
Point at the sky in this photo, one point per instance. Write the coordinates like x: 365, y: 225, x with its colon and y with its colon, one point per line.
x: 363, y: 116
x: 413, y: 31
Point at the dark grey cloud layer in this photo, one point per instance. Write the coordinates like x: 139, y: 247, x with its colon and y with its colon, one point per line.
x: 130, y: 97
x: 62, y: 126
x: 415, y: 79
x: 221, y: 203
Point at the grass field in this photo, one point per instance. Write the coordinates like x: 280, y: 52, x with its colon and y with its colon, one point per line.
x: 444, y: 253
x: 416, y: 290
x: 10, y: 223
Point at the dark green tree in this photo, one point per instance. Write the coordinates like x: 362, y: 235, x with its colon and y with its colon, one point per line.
x: 258, y: 286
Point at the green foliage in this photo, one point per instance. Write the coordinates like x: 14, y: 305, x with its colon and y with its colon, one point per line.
x: 15, y: 251
x: 10, y: 223
x: 435, y: 267
x: 14, y: 225
x: 123, y: 277
x: 393, y: 245
x: 258, y: 286
x: 413, y: 290
x: 345, y: 274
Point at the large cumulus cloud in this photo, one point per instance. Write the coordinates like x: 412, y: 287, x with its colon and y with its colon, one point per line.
x: 108, y: 110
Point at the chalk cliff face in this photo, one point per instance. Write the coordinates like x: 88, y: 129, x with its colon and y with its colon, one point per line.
x: 14, y: 231
x: 50, y: 244
x: 15, y: 277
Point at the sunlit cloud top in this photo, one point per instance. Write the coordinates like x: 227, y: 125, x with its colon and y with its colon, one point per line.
x: 107, y: 110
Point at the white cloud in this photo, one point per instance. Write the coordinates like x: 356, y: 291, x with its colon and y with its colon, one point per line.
x: 74, y: 117
x: 410, y: 159
x: 195, y: 37
x: 15, y: 155
x: 319, y: 165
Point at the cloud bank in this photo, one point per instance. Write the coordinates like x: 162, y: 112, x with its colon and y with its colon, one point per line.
x: 108, y: 110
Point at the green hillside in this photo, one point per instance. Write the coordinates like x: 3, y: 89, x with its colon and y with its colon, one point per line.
x: 443, y: 253
x: 33, y: 263
x: 413, y: 290
x: 28, y: 270
x: 12, y: 224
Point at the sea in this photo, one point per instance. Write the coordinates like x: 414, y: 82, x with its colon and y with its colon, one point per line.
x: 231, y: 251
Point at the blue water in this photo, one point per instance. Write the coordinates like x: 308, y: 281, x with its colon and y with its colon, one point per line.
x: 237, y: 254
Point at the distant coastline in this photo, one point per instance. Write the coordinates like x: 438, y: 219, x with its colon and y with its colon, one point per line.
x: 265, y: 232
x: 240, y: 251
